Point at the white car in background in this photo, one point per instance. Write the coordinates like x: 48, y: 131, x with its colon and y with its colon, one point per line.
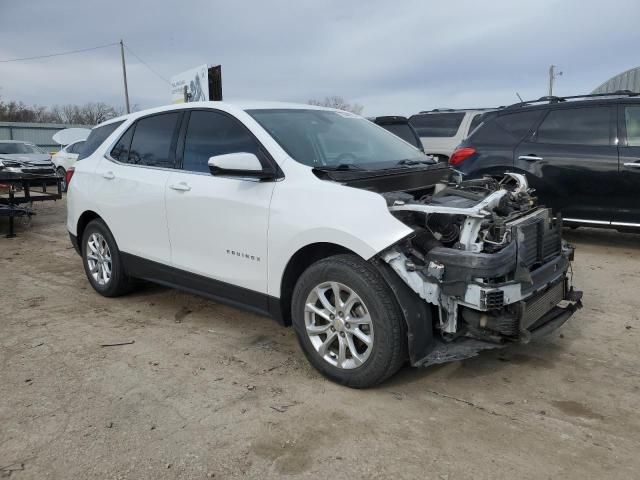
x: 66, y: 158
x: 442, y: 130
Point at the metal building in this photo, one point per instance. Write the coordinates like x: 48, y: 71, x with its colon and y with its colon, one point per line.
x: 629, y: 80
x: 38, y: 133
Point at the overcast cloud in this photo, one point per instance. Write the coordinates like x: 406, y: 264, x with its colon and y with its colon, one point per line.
x: 392, y: 57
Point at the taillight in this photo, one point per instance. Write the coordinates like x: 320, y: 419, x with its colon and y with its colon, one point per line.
x: 68, y: 175
x: 460, y: 155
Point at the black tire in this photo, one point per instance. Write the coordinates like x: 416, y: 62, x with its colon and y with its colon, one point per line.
x: 119, y: 283
x: 61, y: 172
x: 389, y: 346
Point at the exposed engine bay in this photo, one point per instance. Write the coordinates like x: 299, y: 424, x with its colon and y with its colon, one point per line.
x: 491, y: 262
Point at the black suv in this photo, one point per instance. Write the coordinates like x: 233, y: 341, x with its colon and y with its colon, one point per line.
x: 401, y: 127
x: 581, y: 154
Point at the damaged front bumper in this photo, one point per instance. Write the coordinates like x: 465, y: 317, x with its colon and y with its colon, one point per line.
x: 488, y: 300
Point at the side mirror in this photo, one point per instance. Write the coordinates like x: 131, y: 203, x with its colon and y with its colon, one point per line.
x: 238, y: 165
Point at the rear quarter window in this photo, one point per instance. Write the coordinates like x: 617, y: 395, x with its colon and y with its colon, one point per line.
x: 437, y: 124
x: 506, y: 128
x: 97, y: 136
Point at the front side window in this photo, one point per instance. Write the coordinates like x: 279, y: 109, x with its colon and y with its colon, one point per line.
x: 576, y: 126
x: 437, y: 124
x: 632, y: 124
x: 324, y: 138
x: 210, y: 134
x: 97, y: 136
x: 153, y: 138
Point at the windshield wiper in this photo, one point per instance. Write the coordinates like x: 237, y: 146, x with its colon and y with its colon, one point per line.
x: 342, y: 167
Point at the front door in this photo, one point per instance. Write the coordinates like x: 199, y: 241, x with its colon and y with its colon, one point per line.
x: 218, y: 225
x: 572, y: 162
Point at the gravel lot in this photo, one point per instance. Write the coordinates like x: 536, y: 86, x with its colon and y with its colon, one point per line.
x: 209, y: 391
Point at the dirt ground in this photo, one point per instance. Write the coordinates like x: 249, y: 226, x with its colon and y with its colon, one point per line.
x: 209, y: 391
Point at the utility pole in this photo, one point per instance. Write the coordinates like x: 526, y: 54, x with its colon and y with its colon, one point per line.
x: 552, y: 77
x: 124, y: 76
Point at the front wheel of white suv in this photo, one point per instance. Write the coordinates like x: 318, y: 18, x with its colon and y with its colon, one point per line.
x: 348, y: 322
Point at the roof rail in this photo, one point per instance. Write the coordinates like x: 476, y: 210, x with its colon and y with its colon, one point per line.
x: 436, y: 110
x: 554, y: 99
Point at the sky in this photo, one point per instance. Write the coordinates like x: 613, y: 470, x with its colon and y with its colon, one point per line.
x: 392, y: 57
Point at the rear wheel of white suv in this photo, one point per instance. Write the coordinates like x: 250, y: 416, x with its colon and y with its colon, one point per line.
x: 348, y: 322
x: 102, y: 261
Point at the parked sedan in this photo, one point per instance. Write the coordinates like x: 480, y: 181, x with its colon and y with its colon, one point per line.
x: 66, y: 158
x: 23, y: 157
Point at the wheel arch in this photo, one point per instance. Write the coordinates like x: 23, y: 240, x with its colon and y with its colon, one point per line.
x: 298, y: 263
x: 84, y: 219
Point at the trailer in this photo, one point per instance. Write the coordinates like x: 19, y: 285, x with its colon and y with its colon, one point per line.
x: 18, y: 192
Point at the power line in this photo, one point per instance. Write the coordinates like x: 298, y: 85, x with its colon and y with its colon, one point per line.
x: 145, y: 64
x: 70, y: 52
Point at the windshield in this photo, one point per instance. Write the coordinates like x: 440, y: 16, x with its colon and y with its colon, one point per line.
x: 12, y: 148
x: 403, y: 130
x: 329, y: 139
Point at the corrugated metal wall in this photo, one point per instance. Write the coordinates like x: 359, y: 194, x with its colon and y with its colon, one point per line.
x: 629, y: 80
x: 38, y: 133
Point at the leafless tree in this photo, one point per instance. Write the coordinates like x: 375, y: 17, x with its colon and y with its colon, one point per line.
x: 88, y: 114
x: 339, y: 103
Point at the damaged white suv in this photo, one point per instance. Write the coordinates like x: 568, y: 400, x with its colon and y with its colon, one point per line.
x: 324, y: 221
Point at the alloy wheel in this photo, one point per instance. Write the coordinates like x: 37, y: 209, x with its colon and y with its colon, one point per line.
x: 338, y: 325
x: 99, y: 259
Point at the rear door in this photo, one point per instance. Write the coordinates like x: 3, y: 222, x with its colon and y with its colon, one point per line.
x: 628, y: 199
x: 131, y: 186
x: 572, y: 162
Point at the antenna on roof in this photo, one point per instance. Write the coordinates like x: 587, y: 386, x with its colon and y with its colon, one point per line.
x: 518, y: 95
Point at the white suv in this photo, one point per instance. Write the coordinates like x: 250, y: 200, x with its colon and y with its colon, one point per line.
x: 320, y: 219
x: 442, y: 130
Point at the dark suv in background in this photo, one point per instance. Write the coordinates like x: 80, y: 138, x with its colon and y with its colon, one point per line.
x: 400, y: 127
x: 581, y: 154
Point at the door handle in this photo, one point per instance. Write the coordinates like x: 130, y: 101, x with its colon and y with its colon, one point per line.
x: 632, y: 165
x: 181, y: 187
x: 530, y: 158
x: 108, y: 175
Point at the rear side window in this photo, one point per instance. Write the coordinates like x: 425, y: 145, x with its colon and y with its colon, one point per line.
x: 505, y: 128
x: 519, y: 124
x: 97, y: 136
x: 210, y: 134
x: 153, y: 139
x: 632, y: 125
x: 437, y: 124
x: 576, y: 126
